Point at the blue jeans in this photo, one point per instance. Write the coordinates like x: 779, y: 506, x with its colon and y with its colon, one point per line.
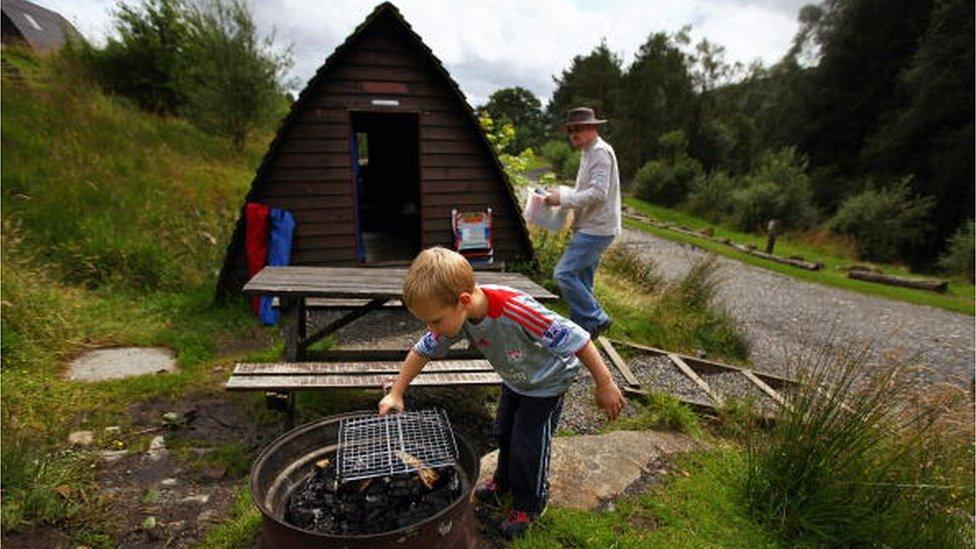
x: 574, y: 274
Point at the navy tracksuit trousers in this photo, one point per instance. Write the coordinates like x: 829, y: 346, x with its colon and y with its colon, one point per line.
x: 524, y: 427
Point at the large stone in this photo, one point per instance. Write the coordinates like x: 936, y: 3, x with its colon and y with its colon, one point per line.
x: 589, y: 469
x: 102, y: 364
x: 81, y: 438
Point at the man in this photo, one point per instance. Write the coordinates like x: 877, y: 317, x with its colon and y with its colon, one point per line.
x: 596, y: 199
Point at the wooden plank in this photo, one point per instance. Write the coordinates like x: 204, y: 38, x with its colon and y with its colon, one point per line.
x: 363, y: 368
x: 692, y: 375
x: 772, y: 393
x: 932, y: 285
x: 270, y: 382
x: 353, y: 282
x: 327, y: 303
x: 711, y: 366
x: 619, y: 362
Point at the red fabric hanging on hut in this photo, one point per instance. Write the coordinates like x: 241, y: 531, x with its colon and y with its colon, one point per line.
x: 256, y: 242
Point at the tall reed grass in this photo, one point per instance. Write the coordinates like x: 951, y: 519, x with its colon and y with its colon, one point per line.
x: 865, y: 455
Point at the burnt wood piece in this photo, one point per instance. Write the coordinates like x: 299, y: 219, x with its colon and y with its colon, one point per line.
x: 360, y: 283
x: 939, y: 286
x: 710, y: 366
x: 618, y: 362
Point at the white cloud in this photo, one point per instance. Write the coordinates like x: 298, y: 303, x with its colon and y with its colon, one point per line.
x: 490, y: 44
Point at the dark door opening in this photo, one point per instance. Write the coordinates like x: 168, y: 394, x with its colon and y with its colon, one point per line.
x: 386, y: 160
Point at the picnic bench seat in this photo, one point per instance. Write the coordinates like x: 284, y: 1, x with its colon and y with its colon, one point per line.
x: 339, y: 304
x: 280, y: 380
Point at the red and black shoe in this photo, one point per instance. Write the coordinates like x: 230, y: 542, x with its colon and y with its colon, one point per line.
x: 489, y: 493
x: 517, y: 523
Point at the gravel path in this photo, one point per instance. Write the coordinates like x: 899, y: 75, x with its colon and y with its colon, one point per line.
x: 781, y: 316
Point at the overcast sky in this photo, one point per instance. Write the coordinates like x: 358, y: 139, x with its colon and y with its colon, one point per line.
x: 492, y: 44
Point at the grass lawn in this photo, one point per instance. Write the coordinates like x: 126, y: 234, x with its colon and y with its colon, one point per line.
x: 698, y: 505
x: 959, y: 298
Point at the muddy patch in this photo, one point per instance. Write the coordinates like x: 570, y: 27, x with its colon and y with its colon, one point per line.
x: 173, y: 489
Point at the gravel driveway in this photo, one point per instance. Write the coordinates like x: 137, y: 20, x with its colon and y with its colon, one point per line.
x: 781, y: 315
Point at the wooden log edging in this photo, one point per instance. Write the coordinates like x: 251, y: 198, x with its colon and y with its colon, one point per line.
x: 931, y: 285
x: 792, y: 261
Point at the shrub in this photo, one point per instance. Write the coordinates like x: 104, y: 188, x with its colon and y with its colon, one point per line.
x: 776, y: 188
x: 711, y: 196
x: 667, y: 184
x: 958, y: 259
x: 571, y: 166
x: 557, y: 152
x: 864, y: 458
x: 624, y: 261
x: 202, y: 60
x: 888, y: 223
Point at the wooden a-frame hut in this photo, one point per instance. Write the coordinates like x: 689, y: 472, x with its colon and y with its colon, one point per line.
x: 375, y: 153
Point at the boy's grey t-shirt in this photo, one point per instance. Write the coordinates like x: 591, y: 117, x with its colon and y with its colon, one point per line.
x: 531, y: 348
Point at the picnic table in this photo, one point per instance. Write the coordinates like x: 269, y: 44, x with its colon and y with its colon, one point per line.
x: 358, y: 292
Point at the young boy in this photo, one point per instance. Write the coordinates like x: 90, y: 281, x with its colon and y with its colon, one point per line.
x: 536, y: 352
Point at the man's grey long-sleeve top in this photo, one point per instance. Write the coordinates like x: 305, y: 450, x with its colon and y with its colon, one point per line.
x: 596, y: 197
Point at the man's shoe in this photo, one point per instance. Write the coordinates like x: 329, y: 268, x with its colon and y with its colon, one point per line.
x: 599, y: 330
x: 517, y: 523
x: 489, y: 493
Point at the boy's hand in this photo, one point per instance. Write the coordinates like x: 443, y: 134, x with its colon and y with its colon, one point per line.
x: 389, y: 403
x: 609, y: 397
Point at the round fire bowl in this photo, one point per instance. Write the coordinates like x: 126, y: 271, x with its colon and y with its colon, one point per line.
x: 290, y: 459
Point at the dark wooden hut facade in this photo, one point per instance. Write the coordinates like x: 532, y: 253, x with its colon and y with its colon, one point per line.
x: 375, y: 153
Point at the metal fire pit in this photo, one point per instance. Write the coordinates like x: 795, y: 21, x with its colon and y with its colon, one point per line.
x: 290, y: 459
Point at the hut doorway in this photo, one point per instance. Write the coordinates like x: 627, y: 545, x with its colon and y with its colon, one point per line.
x: 386, y: 165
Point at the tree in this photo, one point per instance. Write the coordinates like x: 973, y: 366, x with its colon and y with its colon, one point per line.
x: 930, y: 133
x: 656, y: 97
x: 592, y: 80
x: 521, y: 108
x: 233, y: 82
x: 865, y: 45
x: 145, y: 61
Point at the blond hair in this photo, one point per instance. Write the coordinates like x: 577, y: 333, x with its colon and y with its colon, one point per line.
x: 437, y: 274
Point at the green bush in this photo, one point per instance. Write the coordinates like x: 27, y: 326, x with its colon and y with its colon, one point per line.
x: 776, y: 188
x: 204, y: 61
x: 888, y: 223
x: 864, y: 456
x: 958, y: 259
x: 711, y: 196
x: 571, y: 166
x: 557, y: 153
x: 667, y: 184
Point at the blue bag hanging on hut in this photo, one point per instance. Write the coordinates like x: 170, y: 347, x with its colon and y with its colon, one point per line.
x: 281, y: 227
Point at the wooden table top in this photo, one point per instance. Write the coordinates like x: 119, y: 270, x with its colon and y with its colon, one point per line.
x: 353, y: 282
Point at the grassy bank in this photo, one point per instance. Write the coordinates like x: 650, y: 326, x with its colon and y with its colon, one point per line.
x: 834, y: 254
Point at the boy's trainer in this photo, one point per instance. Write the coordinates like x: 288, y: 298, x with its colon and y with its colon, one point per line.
x: 517, y: 523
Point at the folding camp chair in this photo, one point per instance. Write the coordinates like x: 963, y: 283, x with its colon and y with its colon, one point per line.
x: 472, y: 236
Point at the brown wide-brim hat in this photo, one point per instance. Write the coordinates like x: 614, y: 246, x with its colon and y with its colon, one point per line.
x: 582, y: 116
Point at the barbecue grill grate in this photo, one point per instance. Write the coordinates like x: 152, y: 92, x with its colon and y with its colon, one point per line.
x: 372, y: 446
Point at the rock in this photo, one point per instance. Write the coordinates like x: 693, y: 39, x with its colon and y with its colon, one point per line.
x: 214, y: 472
x: 113, y: 430
x: 157, y: 448
x: 208, y: 516
x: 112, y: 455
x: 169, y: 482
x: 200, y: 498
x: 81, y: 438
x: 587, y: 470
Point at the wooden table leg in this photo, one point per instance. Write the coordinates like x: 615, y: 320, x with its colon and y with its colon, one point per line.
x: 291, y: 327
